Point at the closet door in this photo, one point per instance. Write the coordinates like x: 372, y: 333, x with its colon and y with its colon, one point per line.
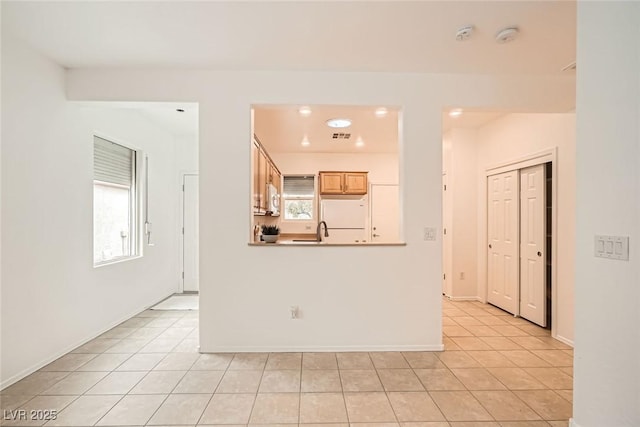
x: 532, y: 245
x: 503, y: 231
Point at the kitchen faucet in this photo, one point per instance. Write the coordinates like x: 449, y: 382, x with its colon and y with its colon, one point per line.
x: 319, y: 229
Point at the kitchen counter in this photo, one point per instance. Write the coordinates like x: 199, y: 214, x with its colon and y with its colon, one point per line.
x: 315, y: 243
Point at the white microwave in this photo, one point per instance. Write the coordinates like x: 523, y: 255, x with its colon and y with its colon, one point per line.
x: 273, y: 200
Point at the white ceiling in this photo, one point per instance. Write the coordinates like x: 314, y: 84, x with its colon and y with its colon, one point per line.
x: 395, y: 36
x: 470, y: 119
x: 281, y: 129
x: 165, y: 115
x: 181, y: 124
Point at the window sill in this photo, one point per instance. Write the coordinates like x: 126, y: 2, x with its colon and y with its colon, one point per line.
x: 116, y: 261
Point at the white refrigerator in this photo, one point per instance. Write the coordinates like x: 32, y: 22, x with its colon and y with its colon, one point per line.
x: 346, y: 219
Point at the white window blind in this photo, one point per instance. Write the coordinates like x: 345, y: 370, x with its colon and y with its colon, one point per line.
x: 112, y: 163
x: 298, y: 187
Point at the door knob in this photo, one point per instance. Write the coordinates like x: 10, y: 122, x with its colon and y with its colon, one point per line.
x: 376, y: 235
x: 539, y: 253
x: 490, y: 246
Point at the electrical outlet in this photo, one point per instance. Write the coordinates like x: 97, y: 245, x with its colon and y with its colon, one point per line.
x: 293, y: 311
x: 429, y: 233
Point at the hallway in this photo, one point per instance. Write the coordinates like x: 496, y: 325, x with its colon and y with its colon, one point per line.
x: 496, y: 371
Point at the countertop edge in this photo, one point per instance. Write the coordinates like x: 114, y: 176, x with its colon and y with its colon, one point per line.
x: 313, y: 244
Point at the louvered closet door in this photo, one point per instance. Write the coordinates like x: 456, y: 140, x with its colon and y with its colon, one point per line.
x: 503, y: 231
x: 532, y: 247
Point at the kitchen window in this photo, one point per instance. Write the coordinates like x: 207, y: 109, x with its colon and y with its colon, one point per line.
x: 115, y: 207
x: 298, y: 197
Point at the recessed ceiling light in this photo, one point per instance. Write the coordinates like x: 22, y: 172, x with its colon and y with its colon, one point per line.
x: 359, y: 142
x: 455, y: 113
x: 381, y: 112
x: 339, y: 123
x: 305, y: 141
x: 304, y: 111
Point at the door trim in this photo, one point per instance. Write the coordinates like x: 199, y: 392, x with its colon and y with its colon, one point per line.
x: 180, y: 226
x: 541, y: 157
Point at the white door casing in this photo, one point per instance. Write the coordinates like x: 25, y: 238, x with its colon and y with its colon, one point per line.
x: 447, y: 248
x: 385, y: 213
x: 190, y: 238
x: 503, y: 232
x: 533, y: 299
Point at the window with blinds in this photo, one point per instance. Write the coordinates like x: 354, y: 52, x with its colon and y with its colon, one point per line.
x: 298, y: 194
x: 114, y: 202
x: 113, y: 163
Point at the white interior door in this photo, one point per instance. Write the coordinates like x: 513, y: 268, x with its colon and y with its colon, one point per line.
x: 447, y: 249
x: 533, y: 298
x: 503, y: 234
x: 385, y: 213
x: 190, y: 246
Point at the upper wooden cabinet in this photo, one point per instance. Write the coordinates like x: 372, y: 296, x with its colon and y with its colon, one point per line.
x: 265, y: 172
x: 332, y: 182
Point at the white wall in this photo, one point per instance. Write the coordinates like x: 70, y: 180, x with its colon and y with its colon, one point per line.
x: 513, y: 137
x: 53, y: 299
x: 607, y: 351
x: 460, y: 164
x: 186, y: 155
x: 356, y: 297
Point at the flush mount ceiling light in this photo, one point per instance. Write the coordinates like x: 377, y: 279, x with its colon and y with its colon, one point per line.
x: 339, y: 123
x: 304, y: 111
x: 381, y: 112
x: 507, y: 34
x: 455, y: 113
x: 464, y: 33
x: 305, y: 141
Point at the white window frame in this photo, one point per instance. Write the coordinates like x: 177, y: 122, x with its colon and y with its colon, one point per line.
x: 314, y: 199
x: 135, y: 204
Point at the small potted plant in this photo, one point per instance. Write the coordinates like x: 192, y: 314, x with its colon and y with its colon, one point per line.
x: 270, y: 233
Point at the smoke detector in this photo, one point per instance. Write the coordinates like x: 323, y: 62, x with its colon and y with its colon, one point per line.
x: 507, y: 34
x: 464, y: 33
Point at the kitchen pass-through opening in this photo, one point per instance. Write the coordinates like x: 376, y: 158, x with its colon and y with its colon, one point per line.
x: 325, y: 174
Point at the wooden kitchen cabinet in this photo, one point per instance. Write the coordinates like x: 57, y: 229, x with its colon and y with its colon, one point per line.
x: 276, y: 179
x: 265, y: 172
x: 343, y: 183
x: 331, y: 182
x: 255, y: 154
x: 260, y: 163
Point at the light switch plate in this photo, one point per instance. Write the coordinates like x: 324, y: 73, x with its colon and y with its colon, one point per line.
x: 612, y: 247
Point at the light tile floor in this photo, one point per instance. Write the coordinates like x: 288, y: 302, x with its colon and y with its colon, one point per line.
x: 496, y: 371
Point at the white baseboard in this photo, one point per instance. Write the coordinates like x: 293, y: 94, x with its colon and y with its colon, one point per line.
x: 573, y: 423
x: 567, y: 341
x: 463, y: 298
x: 319, y: 349
x: 30, y: 370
